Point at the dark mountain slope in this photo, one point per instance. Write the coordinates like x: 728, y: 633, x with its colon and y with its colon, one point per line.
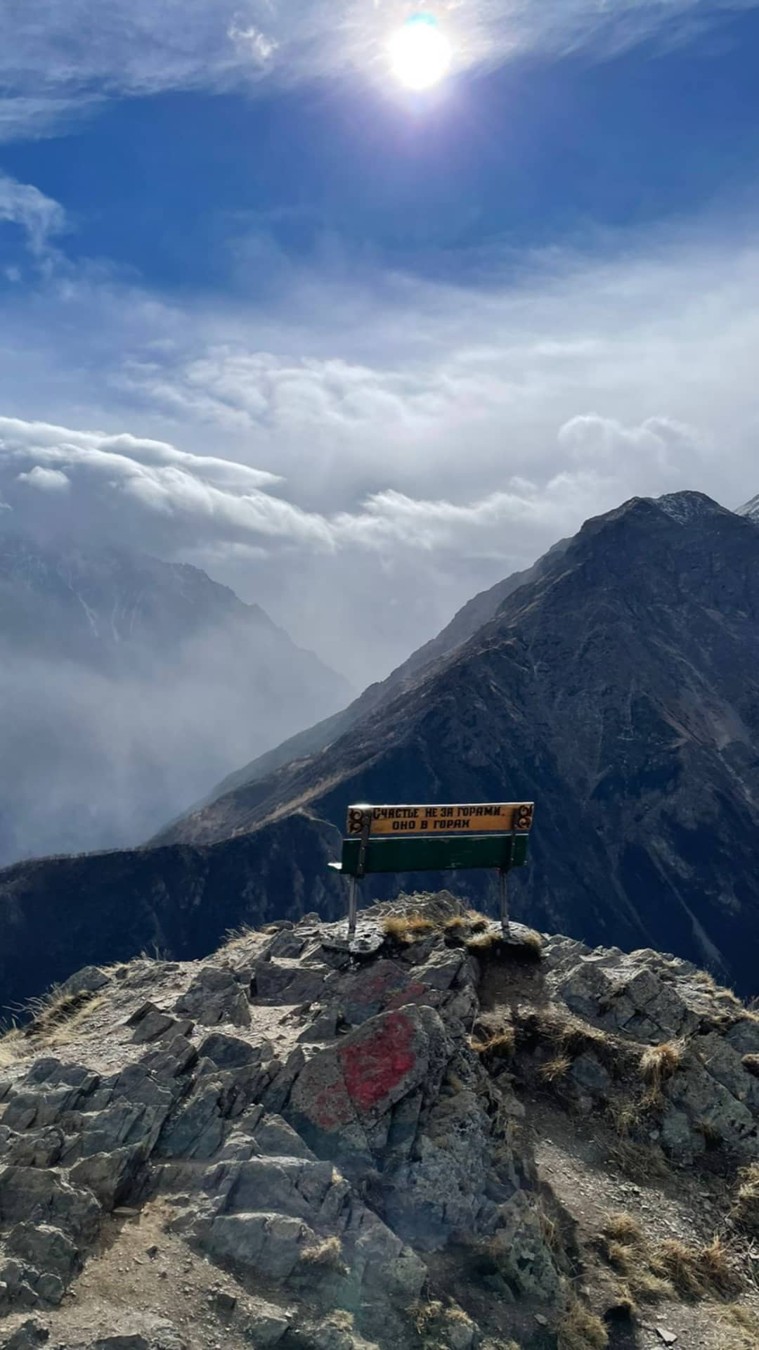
x: 57, y: 914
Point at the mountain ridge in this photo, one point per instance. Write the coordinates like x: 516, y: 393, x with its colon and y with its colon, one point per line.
x: 619, y: 690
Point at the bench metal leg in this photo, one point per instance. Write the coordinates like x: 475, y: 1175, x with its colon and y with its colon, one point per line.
x: 504, y: 903
x: 352, y: 906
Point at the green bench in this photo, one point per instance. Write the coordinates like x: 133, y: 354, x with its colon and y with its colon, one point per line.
x: 434, y: 839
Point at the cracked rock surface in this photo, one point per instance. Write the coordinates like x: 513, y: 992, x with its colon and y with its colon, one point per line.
x: 290, y: 1144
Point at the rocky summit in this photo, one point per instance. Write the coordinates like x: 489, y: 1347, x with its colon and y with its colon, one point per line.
x: 431, y: 1139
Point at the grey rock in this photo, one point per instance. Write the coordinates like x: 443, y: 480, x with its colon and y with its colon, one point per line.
x: 215, y: 997
x: 28, y: 1336
x: 343, y: 1091
x: 269, y: 1243
x: 43, y: 1197
x: 89, y: 980
x: 173, y: 1059
x: 50, y: 1288
x: 127, y: 1342
x: 151, y: 1024
x: 267, y: 1325
x: 278, y: 1139
x: 197, y: 1130
x: 43, y: 1148
x: 44, y: 1247
x: 231, y: 1052
x: 297, y: 1187
x: 289, y: 982
x: 589, y: 1073
x: 110, y: 1176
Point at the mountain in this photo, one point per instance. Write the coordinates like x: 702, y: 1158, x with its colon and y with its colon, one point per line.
x: 127, y: 684
x: 455, y: 1143
x: 618, y: 688
x: 751, y: 509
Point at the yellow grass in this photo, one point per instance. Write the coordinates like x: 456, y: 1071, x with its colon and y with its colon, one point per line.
x: 328, y: 1254
x: 555, y: 1069
x: 499, y: 1045
x: 745, y: 1211
x: 580, y: 1329
x: 659, y: 1062
x: 407, y: 928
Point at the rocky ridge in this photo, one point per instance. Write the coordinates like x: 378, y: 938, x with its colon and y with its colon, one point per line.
x: 293, y: 1144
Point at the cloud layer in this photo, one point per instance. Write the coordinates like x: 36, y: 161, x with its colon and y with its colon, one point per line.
x: 360, y: 429
x: 59, y: 57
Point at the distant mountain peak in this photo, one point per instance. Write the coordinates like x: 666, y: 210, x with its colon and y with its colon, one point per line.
x: 687, y: 506
x: 751, y: 509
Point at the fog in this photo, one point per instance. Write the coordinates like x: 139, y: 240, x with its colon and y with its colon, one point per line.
x: 103, y: 757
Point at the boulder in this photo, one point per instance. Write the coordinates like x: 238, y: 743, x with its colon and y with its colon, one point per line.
x: 342, y: 1093
x: 213, y: 998
x: 30, y: 1335
x: 266, y: 1325
x: 151, y: 1024
x: 270, y: 1244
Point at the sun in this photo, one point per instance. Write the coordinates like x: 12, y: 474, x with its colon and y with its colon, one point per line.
x: 420, y: 53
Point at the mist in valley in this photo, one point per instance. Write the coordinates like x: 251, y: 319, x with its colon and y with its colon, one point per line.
x: 104, y: 740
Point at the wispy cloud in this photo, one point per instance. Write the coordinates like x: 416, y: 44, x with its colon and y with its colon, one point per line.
x: 58, y: 55
x: 39, y: 216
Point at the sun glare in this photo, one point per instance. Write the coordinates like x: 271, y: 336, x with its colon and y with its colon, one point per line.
x: 420, y: 54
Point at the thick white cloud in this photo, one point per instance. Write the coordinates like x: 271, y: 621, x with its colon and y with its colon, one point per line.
x: 60, y: 56
x: 156, y: 496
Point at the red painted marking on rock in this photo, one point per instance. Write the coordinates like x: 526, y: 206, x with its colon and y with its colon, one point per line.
x: 413, y: 993
x: 329, y: 1110
x: 373, y: 1067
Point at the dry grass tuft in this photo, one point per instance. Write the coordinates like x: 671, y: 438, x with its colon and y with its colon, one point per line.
x: 751, y: 1064
x: 56, y: 1015
x: 745, y: 1210
x: 658, y: 1063
x: 744, y: 1324
x: 695, y: 1272
x: 498, y: 1045
x: 461, y: 924
x: 241, y: 936
x: 484, y: 942
x: 328, y: 1254
x: 623, y: 1228
x: 659, y: 1269
x: 478, y: 922
x: 580, y: 1329
x: 623, y: 1116
x: 457, y: 923
x: 639, y: 1162
x: 11, y: 1047
x: 407, y: 928
x: 533, y: 942
x: 425, y: 1315
x: 555, y: 1069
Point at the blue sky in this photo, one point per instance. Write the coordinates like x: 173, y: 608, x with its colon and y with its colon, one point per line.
x: 426, y: 334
